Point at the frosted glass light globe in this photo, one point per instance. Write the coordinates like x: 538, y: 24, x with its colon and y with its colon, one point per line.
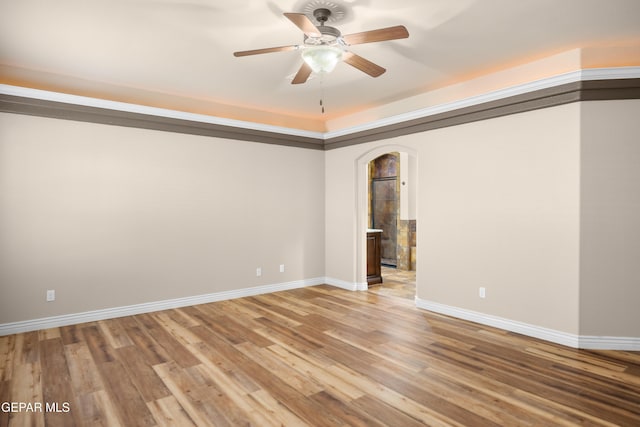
x: 323, y: 58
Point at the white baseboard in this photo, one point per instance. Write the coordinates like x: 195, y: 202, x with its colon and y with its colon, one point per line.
x: 570, y: 340
x: 552, y: 335
x: 349, y: 286
x: 609, y: 343
x: 129, y: 310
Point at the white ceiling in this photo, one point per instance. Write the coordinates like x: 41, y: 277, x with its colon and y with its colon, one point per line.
x: 179, y: 53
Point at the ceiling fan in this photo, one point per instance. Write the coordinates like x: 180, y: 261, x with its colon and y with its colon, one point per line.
x: 324, y: 46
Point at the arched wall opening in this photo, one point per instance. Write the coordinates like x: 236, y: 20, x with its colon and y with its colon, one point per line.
x: 362, y: 195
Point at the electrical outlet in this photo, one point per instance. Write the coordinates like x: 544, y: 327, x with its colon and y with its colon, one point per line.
x: 258, y: 272
x: 482, y: 292
x: 281, y: 268
x: 51, y: 295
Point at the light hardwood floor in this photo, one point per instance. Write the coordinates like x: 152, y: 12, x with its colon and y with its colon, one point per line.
x: 317, y: 356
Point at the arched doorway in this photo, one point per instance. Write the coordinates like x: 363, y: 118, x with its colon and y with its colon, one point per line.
x: 407, y: 180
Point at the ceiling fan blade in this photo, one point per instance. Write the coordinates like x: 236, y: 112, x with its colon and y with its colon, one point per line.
x: 302, y: 75
x: 383, y: 34
x: 304, y: 23
x: 362, y: 64
x: 266, y: 50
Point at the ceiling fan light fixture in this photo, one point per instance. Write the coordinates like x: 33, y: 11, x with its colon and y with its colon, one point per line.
x: 322, y: 58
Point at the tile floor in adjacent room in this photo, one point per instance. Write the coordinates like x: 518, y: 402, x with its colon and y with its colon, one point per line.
x: 399, y: 283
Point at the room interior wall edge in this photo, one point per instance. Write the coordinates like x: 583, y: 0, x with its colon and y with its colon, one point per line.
x: 590, y: 90
x: 586, y: 90
x: 67, y: 111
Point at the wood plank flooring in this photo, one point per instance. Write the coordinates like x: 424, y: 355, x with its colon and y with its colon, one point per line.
x: 318, y: 356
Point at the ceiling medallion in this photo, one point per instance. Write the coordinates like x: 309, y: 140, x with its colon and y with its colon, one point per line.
x: 338, y: 12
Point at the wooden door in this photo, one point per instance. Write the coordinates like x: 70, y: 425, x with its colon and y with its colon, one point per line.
x: 384, y: 215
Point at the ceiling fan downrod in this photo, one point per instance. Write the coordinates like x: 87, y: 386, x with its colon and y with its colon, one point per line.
x: 322, y: 15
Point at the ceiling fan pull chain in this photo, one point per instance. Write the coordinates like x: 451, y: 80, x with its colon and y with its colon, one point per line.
x: 322, y: 92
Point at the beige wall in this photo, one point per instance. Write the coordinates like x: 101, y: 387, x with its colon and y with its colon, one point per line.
x: 610, y: 219
x: 498, y: 206
x: 539, y: 208
x: 111, y: 216
x: 340, y: 214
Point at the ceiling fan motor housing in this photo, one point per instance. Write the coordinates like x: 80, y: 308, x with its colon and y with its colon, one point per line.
x: 329, y: 34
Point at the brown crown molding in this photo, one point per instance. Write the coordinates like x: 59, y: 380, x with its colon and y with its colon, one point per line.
x: 589, y: 90
x: 66, y: 111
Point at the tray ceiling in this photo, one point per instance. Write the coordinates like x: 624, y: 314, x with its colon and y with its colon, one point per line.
x: 177, y: 54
